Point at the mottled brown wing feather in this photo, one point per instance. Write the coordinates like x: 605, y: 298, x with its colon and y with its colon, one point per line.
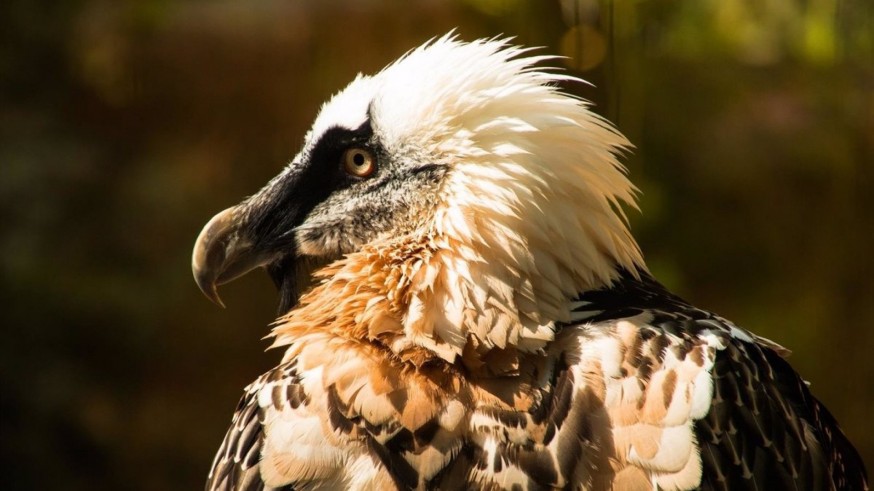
x: 764, y: 429
x: 236, y: 464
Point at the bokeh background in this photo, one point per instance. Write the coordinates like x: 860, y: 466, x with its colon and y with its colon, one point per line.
x: 125, y: 125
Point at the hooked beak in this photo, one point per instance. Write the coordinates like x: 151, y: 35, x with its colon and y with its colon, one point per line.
x: 260, y: 232
x: 223, y: 252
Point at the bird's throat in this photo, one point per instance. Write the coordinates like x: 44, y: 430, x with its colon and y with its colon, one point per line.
x: 423, y: 299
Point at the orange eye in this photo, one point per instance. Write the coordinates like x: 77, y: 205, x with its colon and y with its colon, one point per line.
x: 359, y: 162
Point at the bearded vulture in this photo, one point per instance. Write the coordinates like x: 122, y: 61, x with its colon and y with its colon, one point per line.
x: 464, y: 307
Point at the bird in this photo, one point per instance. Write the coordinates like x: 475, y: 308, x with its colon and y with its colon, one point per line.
x: 463, y: 306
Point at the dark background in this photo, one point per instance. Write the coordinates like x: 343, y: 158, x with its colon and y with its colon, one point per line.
x: 125, y: 125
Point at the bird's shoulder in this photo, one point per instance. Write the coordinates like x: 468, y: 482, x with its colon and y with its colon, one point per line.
x: 761, y: 427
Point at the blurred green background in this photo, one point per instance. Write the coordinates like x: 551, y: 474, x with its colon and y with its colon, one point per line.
x: 125, y: 125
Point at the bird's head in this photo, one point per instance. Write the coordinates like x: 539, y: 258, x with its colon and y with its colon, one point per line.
x: 486, y: 196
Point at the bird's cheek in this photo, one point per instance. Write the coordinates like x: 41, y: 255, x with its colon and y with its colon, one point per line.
x: 319, y: 241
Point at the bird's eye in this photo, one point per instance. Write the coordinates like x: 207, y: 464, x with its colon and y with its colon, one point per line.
x: 359, y: 162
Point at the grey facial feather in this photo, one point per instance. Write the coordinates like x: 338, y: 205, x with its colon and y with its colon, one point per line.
x: 401, y: 195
